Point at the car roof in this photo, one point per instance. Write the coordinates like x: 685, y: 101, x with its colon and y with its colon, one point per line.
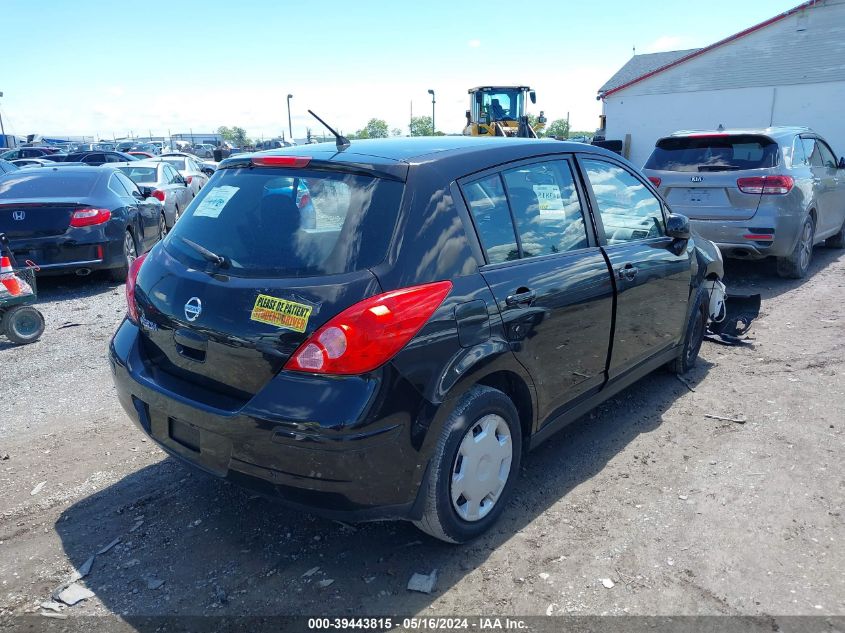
x: 772, y: 132
x: 411, y: 149
x: 147, y: 162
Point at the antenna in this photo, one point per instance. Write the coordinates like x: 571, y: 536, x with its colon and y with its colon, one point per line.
x: 341, y: 141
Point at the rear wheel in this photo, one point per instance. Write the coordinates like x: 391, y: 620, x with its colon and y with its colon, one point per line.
x: 22, y: 324
x: 696, y: 327
x: 473, y: 468
x: 162, y: 227
x: 796, y: 265
x: 837, y: 240
x: 130, y: 253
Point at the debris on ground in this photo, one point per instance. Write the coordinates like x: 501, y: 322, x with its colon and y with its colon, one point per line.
x: 325, y: 583
x: 137, y: 526
x: 74, y: 593
x: 544, y: 576
x: 4, y: 456
x: 724, y: 419
x: 424, y: 583
x: 52, y: 605
x: 311, y: 572
x: 608, y: 583
x: 153, y: 582
x: 37, y: 488
x: 109, y: 546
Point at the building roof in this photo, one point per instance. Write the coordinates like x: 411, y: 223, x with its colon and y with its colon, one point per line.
x: 682, y: 56
x: 640, y: 65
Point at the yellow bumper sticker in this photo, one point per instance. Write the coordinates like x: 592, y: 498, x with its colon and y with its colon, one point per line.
x: 281, y: 313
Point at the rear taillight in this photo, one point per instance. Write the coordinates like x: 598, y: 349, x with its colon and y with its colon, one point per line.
x: 89, y: 217
x: 767, y: 185
x: 655, y: 180
x: 131, y: 278
x: 304, y: 200
x: 369, y: 333
x: 281, y: 161
x: 158, y: 194
x: 188, y: 179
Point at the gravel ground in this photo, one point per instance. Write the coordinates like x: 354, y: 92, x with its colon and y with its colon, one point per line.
x: 645, y: 506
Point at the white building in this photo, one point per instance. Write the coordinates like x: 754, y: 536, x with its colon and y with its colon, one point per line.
x: 788, y: 70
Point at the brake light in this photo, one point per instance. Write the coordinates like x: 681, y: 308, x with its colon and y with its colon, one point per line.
x: 158, y: 194
x: 131, y: 278
x: 369, y: 333
x: 89, y: 217
x: 304, y: 200
x: 188, y: 179
x: 766, y: 185
x: 655, y: 180
x: 281, y: 161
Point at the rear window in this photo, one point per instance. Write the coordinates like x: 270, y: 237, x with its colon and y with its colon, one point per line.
x: 178, y: 163
x: 140, y: 174
x: 277, y: 222
x: 35, y: 183
x: 713, y: 153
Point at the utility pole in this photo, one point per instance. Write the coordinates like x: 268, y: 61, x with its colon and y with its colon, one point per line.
x: 433, y: 129
x: 2, y: 129
x: 290, y: 127
x: 411, y: 121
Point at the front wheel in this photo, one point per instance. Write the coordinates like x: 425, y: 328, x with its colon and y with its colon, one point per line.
x: 473, y: 468
x: 22, y: 324
x: 688, y: 354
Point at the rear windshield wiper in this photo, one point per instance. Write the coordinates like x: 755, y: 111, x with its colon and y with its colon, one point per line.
x: 214, y: 258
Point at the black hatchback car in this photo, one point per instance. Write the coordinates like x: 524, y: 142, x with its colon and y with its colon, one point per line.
x: 449, y: 303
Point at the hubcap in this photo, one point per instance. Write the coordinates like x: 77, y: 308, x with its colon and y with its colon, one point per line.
x: 806, y: 244
x: 481, y: 467
x: 129, y: 249
x: 26, y: 324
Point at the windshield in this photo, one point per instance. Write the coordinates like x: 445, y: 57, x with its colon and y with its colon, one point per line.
x: 501, y: 105
x: 277, y: 222
x: 140, y: 174
x: 713, y: 153
x: 178, y: 163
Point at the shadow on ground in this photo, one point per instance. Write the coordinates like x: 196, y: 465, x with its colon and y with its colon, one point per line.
x: 222, y: 551
x: 762, y: 276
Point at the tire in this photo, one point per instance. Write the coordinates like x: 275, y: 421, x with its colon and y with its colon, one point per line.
x: 694, y: 337
x: 481, y: 413
x: 796, y: 265
x: 837, y: 240
x: 130, y: 252
x: 23, y: 324
x: 162, y: 226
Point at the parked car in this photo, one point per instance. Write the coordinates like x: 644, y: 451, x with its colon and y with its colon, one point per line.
x: 140, y: 155
x: 207, y: 167
x: 396, y: 360
x: 124, y: 145
x: 77, y: 219
x: 99, y: 158
x: 59, y: 157
x: 163, y: 182
x: 189, y: 169
x: 24, y: 152
x: 756, y: 193
x: 148, y: 148
x: 203, y: 150
x: 6, y: 167
x: 32, y: 162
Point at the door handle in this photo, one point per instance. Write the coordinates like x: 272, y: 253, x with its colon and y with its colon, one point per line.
x: 520, y: 298
x: 627, y: 272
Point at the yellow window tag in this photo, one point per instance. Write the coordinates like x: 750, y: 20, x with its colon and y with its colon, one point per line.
x: 281, y: 313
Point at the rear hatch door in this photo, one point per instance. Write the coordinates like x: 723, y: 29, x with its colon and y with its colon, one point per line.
x: 698, y: 173
x: 228, y: 328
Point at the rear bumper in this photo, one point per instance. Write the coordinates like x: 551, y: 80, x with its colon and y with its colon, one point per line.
x: 768, y: 233
x: 64, y: 254
x: 366, y: 470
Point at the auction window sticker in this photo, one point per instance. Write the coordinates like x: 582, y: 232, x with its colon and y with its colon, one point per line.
x: 550, y: 198
x: 215, y: 201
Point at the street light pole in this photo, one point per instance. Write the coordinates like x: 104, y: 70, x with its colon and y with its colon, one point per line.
x: 290, y: 127
x: 2, y: 129
x: 431, y: 92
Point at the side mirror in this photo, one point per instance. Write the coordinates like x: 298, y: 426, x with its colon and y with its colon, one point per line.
x: 533, y: 96
x: 841, y: 163
x: 677, y: 226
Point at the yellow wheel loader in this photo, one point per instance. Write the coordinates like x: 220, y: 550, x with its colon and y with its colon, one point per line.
x: 500, y: 111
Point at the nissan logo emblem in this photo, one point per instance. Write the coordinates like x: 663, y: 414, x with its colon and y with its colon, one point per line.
x: 18, y: 215
x: 193, y: 308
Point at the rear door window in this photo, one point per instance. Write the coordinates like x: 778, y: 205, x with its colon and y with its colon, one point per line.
x: 828, y: 159
x: 628, y: 210
x: 716, y: 152
x: 491, y: 215
x: 546, y: 207
x: 799, y: 158
x: 280, y: 222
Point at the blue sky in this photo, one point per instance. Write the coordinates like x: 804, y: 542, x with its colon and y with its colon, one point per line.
x: 111, y: 67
